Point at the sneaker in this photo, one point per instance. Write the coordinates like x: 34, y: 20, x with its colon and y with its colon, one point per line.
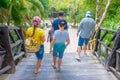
x: 77, y: 58
x: 58, y: 70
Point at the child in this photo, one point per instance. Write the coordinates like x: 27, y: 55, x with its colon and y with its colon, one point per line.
x: 50, y: 35
x: 39, y: 35
x: 59, y: 42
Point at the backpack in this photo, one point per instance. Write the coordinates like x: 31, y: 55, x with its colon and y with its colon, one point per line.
x: 31, y: 44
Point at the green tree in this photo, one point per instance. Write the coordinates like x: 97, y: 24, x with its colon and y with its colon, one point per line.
x: 21, y: 10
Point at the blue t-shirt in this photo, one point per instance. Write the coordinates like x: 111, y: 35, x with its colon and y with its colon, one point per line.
x: 55, y: 24
x: 60, y: 39
x: 60, y: 36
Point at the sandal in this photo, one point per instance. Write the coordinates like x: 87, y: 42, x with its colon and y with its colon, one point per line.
x: 37, y: 71
x: 58, y: 70
x: 54, y: 67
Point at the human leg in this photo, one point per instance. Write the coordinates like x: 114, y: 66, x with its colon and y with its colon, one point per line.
x: 59, y: 63
x: 54, y: 62
x: 54, y: 59
x: 79, y: 51
x: 37, y: 67
x: 39, y: 56
x: 60, y: 59
x: 86, y: 43
x: 80, y: 43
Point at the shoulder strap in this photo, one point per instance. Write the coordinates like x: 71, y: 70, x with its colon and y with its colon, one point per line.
x: 33, y: 32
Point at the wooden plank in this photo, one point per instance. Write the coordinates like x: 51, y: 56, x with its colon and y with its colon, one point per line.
x: 13, y: 28
x: 17, y: 33
x: 16, y: 43
x: 117, y: 61
x: 22, y: 37
x: 103, y: 35
x: 71, y: 69
x: 19, y: 55
x: 8, y: 55
x: 2, y: 52
x: 113, y: 38
x: 4, y: 69
x: 115, y: 72
x: 105, y: 29
x: 11, y: 37
x: 105, y: 45
x: 116, y: 46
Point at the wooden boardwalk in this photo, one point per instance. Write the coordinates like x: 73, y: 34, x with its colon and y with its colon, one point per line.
x: 88, y: 69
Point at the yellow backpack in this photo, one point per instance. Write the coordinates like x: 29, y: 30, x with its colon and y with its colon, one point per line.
x: 31, y: 44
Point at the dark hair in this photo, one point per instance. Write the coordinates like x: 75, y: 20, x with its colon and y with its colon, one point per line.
x: 60, y: 13
x: 62, y: 23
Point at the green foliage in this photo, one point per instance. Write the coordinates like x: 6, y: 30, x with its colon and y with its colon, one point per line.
x: 16, y: 16
x: 22, y: 10
x: 4, y: 3
x: 112, y: 18
x: 46, y: 7
x: 38, y: 5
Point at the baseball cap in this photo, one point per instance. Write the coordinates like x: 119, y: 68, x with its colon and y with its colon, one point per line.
x: 61, y: 13
x: 88, y: 14
x: 62, y: 23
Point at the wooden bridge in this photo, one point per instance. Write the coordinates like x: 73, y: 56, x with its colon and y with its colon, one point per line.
x: 101, y: 62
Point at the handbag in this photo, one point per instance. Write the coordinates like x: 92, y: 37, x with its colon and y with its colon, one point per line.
x: 31, y: 45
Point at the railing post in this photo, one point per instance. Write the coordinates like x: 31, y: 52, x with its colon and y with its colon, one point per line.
x: 22, y: 37
x: 96, y: 43
x: 8, y: 55
x: 112, y: 59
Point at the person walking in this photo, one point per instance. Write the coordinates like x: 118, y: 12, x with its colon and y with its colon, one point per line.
x: 55, y: 22
x: 50, y: 35
x: 85, y: 29
x: 39, y: 35
x: 59, y: 42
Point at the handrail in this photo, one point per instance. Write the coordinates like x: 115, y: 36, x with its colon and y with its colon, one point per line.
x: 12, y: 41
x: 111, y: 54
x: 114, y: 31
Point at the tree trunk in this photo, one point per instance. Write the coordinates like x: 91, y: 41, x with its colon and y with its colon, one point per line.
x: 104, y: 13
x: 74, y: 21
x: 97, y: 10
x: 9, y: 13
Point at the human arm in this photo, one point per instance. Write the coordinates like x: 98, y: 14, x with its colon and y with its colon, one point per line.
x: 42, y: 36
x: 43, y: 39
x: 51, y: 45
x: 80, y: 27
x: 93, y: 29
x: 48, y: 37
x: 67, y: 42
x: 53, y: 24
x: 24, y: 31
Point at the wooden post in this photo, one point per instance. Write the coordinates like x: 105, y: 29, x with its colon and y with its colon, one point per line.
x: 22, y: 37
x: 96, y: 43
x: 112, y: 59
x: 8, y: 55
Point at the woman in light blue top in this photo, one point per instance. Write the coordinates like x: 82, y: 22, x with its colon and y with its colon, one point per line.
x: 59, y: 42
